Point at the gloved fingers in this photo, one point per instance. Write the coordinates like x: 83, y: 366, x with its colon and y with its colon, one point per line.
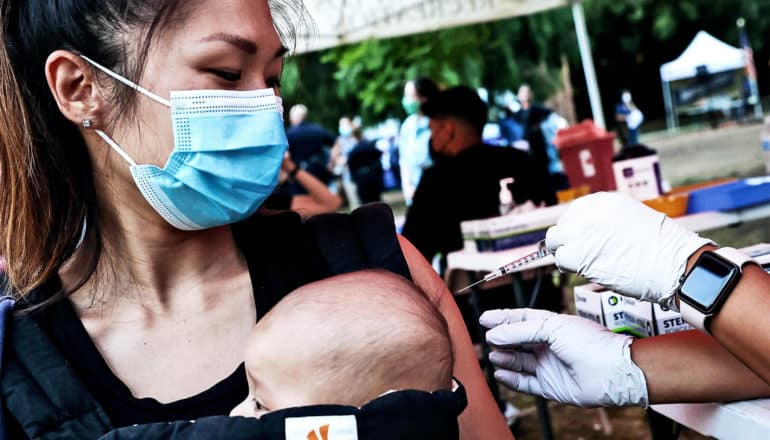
x: 569, y: 258
x: 521, y: 382
x: 494, y: 318
x: 518, y: 334
x: 514, y: 361
x: 556, y: 237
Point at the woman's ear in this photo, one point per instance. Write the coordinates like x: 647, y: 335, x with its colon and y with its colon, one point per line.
x: 74, y: 87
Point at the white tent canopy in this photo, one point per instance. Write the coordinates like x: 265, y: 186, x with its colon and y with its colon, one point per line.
x: 339, y: 22
x: 704, y: 50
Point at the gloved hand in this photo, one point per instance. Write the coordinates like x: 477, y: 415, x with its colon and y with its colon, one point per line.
x: 564, y: 358
x: 620, y: 243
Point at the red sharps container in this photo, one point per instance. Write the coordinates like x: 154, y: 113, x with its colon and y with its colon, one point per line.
x: 586, y: 152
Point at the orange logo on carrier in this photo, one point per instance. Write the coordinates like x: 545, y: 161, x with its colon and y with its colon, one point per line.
x: 323, y: 431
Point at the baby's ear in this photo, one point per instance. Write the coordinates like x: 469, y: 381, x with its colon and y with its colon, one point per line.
x: 247, y: 408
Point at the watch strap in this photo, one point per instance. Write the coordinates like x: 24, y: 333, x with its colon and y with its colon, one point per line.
x: 693, y: 317
x: 698, y: 319
x: 739, y: 258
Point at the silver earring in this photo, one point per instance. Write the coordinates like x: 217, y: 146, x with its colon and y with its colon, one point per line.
x: 87, y: 123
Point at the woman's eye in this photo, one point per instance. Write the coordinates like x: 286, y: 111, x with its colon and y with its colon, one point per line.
x: 225, y: 75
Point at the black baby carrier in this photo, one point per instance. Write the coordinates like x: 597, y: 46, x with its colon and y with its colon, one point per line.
x: 42, y: 393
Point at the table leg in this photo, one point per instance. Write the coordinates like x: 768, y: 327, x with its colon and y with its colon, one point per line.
x: 520, y: 301
x: 544, y: 417
x: 661, y: 427
x: 518, y: 291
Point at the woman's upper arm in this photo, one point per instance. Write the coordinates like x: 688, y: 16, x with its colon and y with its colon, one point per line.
x: 482, y: 419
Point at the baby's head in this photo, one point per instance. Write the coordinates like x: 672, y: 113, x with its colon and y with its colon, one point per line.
x: 345, y: 341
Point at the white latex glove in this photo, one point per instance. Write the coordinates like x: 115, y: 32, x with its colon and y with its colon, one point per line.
x: 565, y: 358
x: 620, y: 243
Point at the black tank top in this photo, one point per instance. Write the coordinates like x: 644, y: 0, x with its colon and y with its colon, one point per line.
x: 63, y: 326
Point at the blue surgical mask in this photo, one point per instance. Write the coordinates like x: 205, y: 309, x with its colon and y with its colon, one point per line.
x: 228, y: 149
x: 345, y: 130
x: 411, y: 106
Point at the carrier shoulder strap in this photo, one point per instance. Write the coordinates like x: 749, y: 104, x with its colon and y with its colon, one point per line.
x: 283, y: 253
x: 365, y: 239
x: 42, y: 392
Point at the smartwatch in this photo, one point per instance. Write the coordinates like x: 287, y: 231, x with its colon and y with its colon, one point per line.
x: 712, y: 279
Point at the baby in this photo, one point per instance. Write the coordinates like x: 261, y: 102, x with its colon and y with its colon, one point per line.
x: 345, y: 341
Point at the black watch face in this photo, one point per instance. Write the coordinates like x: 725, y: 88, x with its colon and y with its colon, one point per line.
x: 709, y: 282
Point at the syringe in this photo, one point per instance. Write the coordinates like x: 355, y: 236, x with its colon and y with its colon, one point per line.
x: 511, y: 267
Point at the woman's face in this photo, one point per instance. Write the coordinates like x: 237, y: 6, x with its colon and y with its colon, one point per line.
x: 221, y: 44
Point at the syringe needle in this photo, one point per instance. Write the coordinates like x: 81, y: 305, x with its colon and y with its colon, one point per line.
x: 470, y: 286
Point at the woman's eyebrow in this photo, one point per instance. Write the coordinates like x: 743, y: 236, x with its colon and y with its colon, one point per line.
x: 241, y: 43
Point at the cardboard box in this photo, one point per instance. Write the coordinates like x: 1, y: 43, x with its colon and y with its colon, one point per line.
x: 613, y: 311
x: 641, y: 319
x: 638, y: 316
x: 668, y: 321
x: 626, y: 315
x: 639, y: 177
x: 588, y: 302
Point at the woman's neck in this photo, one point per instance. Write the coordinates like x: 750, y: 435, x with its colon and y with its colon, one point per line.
x: 146, y: 262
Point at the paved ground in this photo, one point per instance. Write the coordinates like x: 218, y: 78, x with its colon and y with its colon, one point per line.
x: 708, y: 154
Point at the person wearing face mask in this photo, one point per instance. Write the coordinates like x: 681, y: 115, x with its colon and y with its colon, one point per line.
x: 137, y: 142
x: 529, y: 117
x: 345, y: 143
x: 629, y: 119
x: 414, y: 137
x: 464, y: 184
x: 309, y: 145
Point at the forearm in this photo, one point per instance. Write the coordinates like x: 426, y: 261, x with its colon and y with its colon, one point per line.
x: 318, y: 191
x: 694, y: 367
x: 482, y: 419
x: 741, y: 326
x: 732, y: 365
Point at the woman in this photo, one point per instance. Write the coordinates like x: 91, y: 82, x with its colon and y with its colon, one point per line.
x: 78, y: 139
x: 618, y: 242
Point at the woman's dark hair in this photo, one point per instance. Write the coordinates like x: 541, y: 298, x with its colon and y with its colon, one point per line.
x: 45, y: 169
x: 426, y: 88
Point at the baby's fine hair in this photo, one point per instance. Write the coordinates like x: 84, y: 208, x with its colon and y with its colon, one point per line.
x: 367, y: 333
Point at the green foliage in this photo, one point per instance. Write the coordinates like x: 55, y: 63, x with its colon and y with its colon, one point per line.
x: 630, y: 39
x: 374, y: 72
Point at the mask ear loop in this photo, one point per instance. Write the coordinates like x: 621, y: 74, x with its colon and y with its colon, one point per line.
x: 128, y: 82
x: 115, y: 147
x: 134, y: 86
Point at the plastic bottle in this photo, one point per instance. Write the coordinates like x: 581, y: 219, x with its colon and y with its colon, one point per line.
x: 766, y: 144
x: 506, y: 197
